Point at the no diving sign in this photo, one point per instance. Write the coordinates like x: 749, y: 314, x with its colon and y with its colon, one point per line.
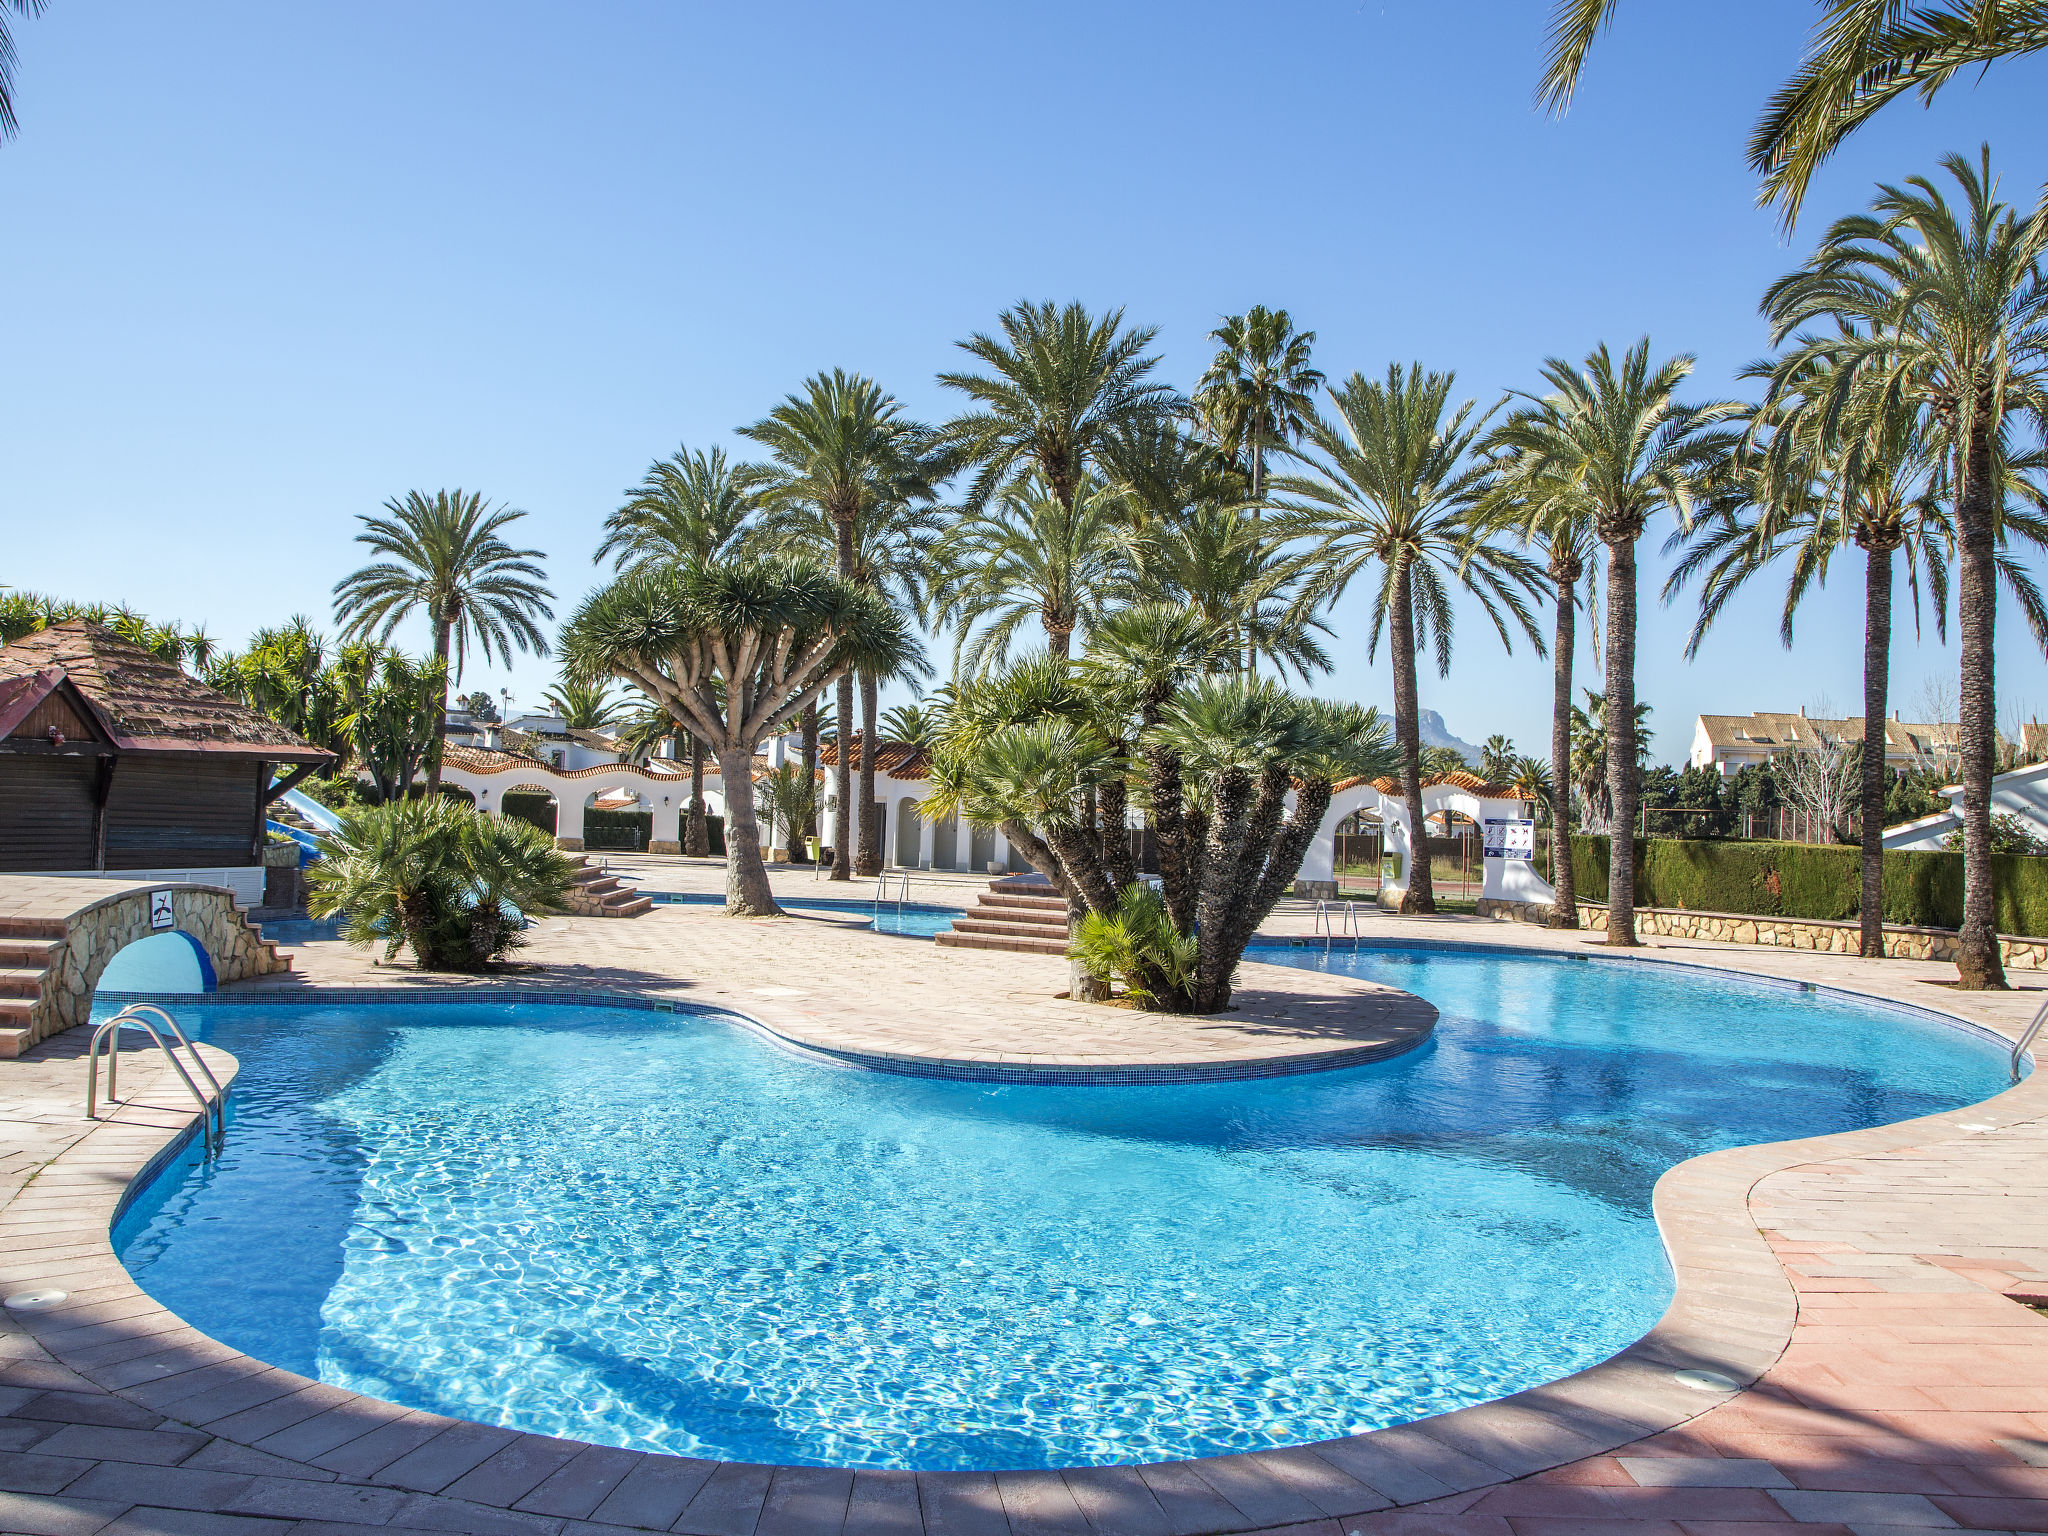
x: 160, y: 910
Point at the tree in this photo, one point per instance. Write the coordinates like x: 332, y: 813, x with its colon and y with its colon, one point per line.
x: 1946, y: 309
x: 8, y: 126
x: 390, y: 709
x: 1862, y: 55
x: 791, y: 795
x: 1592, y: 764
x: 775, y: 632
x: 1497, y: 759
x: 481, y: 706
x: 1062, y: 393
x: 1258, y: 395
x: 1027, y: 556
x: 1814, y: 479
x: 914, y: 725
x: 434, y: 876
x: 1438, y: 761
x: 842, y: 454
x: 24, y: 613
x: 446, y: 555
x: 585, y: 706
x: 1616, y: 438
x: 1394, y: 482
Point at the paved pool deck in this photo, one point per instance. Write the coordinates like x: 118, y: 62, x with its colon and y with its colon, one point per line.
x: 1852, y: 1288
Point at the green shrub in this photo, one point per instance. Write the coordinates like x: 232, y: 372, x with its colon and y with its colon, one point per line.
x: 1138, y: 944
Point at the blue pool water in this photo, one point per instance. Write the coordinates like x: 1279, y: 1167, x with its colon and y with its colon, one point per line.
x: 658, y: 1230
x: 910, y: 919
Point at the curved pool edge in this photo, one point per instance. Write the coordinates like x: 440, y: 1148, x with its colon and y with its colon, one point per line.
x: 1732, y: 1312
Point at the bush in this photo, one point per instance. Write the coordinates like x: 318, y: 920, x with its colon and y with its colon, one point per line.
x: 434, y: 876
x: 1802, y: 880
x: 1137, y: 944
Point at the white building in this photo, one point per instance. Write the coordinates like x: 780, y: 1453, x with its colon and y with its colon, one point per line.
x: 2022, y: 793
x: 909, y: 840
x: 1730, y: 743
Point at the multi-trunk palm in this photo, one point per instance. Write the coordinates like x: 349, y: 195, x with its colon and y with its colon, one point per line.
x: 1395, y: 486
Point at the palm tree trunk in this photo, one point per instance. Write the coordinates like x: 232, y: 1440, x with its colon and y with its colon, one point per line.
x: 810, y: 750
x: 867, y: 861
x: 1420, y: 895
x: 1251, y: 656
x: 1623, y: 785
x: 1564, y: 910
x: 1877, y: 656
x: 1978, y: 964
x: 747, y: 893
x: 842, y: 779
x: 1059, y: 642
x: 440, y: 714
x: 696, y: 835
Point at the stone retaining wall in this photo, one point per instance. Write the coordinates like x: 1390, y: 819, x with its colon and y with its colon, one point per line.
x: 94, y: 934
x: 1823, y: 936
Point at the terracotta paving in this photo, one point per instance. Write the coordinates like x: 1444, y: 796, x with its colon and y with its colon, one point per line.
x: 1857, y: 1281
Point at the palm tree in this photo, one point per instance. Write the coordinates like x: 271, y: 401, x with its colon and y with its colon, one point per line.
x: 1394, y: 483
x: 688, y: 506
x: 1947, y: 310
x: 1554, y: 516
x: 1862, y: 55
x: 1497, y: 759
x: 914, y: 725
x: 1062, y: 392
x: 585, y: 706
x: 1226, y: 565
x: 1592, y: 760
x: 1814, y: 483
x: 1617, y: 437
x: 446, y: 554
x: 842, y: 452
x: 1022, y: 557
x: 8, y: 126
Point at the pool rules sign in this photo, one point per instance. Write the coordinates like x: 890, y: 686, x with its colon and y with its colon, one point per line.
x: 1509, y: 838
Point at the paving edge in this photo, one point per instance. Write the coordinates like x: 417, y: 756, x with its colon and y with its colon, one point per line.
x: 1732, y: 1313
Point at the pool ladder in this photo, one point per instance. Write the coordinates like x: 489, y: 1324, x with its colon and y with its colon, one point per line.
x: 2019, y: 1046
x: 212, y: 1104
x: 901, y: 879
x: 1326, y: 921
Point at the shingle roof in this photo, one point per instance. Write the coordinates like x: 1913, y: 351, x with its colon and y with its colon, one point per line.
x: 149, y: 704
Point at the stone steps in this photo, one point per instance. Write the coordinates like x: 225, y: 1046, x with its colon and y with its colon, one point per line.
x: 598, y: 894
x: 1014, y: 915
x: 955, y: 939
x: 973, y: 922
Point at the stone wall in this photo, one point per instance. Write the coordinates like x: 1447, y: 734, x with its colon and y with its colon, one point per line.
x: 94, y: 934
x: 1833, y: 938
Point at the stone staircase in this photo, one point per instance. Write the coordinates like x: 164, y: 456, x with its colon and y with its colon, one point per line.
x: 27, y: 945
x: 597, y: 894
x: 1023, y: 916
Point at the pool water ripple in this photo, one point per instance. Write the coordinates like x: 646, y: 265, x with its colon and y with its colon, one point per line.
x: 656, y: 1230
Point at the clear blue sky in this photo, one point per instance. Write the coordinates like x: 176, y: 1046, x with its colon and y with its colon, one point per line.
x: 267, y: 265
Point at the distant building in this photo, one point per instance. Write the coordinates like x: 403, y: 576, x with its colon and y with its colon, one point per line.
x: 2022, y: 794
x: 1730, y: 743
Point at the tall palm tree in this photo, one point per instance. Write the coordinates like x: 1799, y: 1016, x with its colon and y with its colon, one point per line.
x: 585, y: 706
x: 1592, y: 755
x: 1225, y: 565
x: 446, y: 555
x: 1061, y: 393
x: 1862, y: 54
x: 1497, y: 759
x: 1555, y: 517
x: 1027, y: 556
x: 1945, y: 308
x: 8, y: 126
x: 1617, y: 436
x: 1812, y: 483
x: 1394, y: 482
x: 842, y: 452
x: 690, y: 506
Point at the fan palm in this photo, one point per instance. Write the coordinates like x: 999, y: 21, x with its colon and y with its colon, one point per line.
x: 446, y: 554
x: 842, y: 454
x: 585, y: 706
x: 1394, y: 483
x: 1615, y: 437
x: 1862, y: 55
x: 1027, y: 556
x: 1945, y: 308
x: 1062, y: 390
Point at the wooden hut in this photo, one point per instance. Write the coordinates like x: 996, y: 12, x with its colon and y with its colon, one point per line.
x: 113, y: 760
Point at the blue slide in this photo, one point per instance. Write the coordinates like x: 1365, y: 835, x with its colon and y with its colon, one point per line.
x: 313, y: 811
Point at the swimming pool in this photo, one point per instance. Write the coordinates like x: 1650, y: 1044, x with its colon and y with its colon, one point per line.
x: 908, y: 919
x: 658, y: 1230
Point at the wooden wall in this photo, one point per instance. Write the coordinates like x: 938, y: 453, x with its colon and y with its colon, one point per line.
x: 45, y: 812
x: 183, y: 809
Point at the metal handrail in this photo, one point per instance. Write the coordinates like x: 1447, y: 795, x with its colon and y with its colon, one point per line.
x: 212, y: 1113
x: 2019, y: 1046
x: 882, y: 893
x: 1326, y: 923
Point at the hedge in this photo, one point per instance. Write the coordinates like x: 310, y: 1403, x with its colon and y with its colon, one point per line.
x: 1758, y: 879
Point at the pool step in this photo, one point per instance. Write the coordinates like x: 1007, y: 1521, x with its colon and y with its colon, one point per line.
x: 1021, y: 917
x: 597, y: 894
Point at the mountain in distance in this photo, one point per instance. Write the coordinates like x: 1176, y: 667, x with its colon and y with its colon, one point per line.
x: 1434, y: 733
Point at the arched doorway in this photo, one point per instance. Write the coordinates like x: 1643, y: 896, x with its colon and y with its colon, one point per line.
x: 529, y: 803
x: 909, y: 832
x: 946, y: 843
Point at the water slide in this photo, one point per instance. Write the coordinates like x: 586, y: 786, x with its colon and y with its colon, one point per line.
x: 313, y: 811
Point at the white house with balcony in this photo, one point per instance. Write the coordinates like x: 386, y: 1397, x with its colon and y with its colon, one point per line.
x: 1730, y: 743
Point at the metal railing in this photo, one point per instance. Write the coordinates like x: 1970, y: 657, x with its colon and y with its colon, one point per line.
x: 212, y: 1108
x: 1326, y: 921
x: 902, y: 879
x: 2019, y: 1046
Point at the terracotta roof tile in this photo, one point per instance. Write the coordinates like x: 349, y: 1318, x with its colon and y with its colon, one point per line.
x: 150, y: 704
x: 898, y: 759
